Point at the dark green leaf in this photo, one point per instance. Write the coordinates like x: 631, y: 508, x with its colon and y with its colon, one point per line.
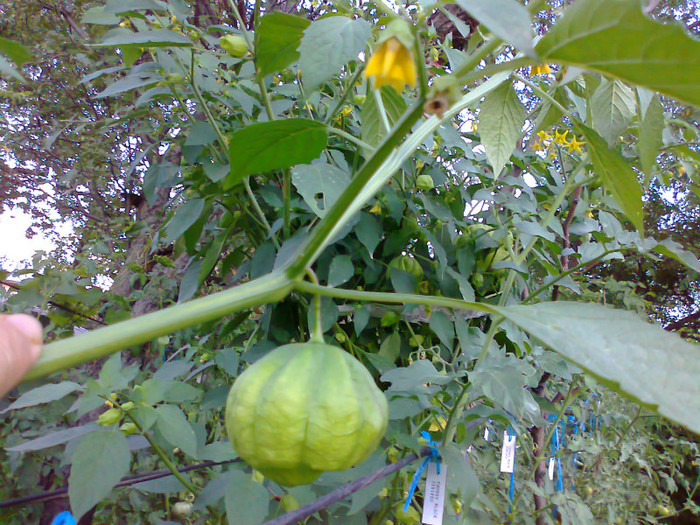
x: 373, y: 129
x: 15, y: 51
x: 184, y: 217
x: 618, y: 176
x: 266, y: 146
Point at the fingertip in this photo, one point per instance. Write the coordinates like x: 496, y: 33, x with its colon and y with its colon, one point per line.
x: 30, y: 327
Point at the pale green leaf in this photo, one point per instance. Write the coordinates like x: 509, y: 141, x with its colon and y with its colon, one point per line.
x: 99, y: 462
x: 501, y: 119
x: 616, y: 38
x: 174, y: 426
x: 276, y: 41
x: 507, y: 19
x: 8, y: 69
x: 618, y: 176
x: 246, y: 501
x: 612, y: 107
x: 154, y: 38
x: 655, y: 367
x: 44, y: 394
x: 650, y: 140
x: 341, y: 270
x: 320, y: 185
x: 266, y: 146
x: 373, y: 129
x: 328, y: 44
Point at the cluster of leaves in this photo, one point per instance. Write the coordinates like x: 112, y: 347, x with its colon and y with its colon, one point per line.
x: 223, y: 167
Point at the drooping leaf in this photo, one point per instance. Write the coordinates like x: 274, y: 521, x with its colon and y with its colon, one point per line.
x: 99, y: 462
x: 328, y: 44
x: 44, y: 394
x: 276, y: 41
x: 124, y: 6
x: 55, y: 438
x: 341, y: 270
x: 274, y: 145
x: 373, y: 129
x: 655, y: 367
x: 612, y: 107
x: 650, y: 139
x: 616, y: 38
x: 176, y: 429
x: 618, y: 176
x: 507, y: 19
x: 184, y: 217
x: 246, y: 500
x: 153, y: 38
x: 501, y: 119
x: 320, y: 185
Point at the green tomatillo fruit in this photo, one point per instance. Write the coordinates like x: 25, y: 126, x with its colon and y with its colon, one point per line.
x: 303, y: 409
x: 235, y: 46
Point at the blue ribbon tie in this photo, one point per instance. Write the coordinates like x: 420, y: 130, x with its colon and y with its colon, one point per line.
x: 434, y: 456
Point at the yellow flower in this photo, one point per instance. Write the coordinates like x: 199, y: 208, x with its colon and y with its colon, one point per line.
x: 543, y: 135
x: 574, y: 145
x: 392, y: 63
x: 560, y: 138
x: 541, y: 68
x: 537, y: 146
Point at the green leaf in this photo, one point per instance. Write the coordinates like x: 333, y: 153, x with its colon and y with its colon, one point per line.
x: 341, y: 270
x: 655, y: 367
x: 443, y: 327
x: 650, y: 139
x: 612, y: 106
x: 14, y: 51
x: 614, y: 37
x: 461, y: 478
x: 373, y: 130
x: 328, y: 44
x: 320, y: 185
x: 124, y: 6
x: 44, y: 394
x: 507, y: 19
x: 274, y: 145
x: 501, y: 120
x: 391, y: 347
x: 184, y: 217
x: 174, y: 426
x: 155, y: 38
x: 99, y: 462
x: 276, y: 41
x: 618, y: 176
x: 55, y: 438
x: 246, y: 501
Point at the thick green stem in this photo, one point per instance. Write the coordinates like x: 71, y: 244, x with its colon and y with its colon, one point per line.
x: 109, y: 339
x: 317, y: 333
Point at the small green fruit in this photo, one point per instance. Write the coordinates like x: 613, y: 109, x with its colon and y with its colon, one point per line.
x: 110, y: 417
x: 425, y: 182
x: 235, y: 46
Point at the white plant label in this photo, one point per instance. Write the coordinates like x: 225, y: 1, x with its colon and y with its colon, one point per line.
x: 550, y: 470
x: 434, y: 502
x: 508, y: 453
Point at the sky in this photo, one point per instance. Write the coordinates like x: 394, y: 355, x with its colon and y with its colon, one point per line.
x: 15, y: 248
